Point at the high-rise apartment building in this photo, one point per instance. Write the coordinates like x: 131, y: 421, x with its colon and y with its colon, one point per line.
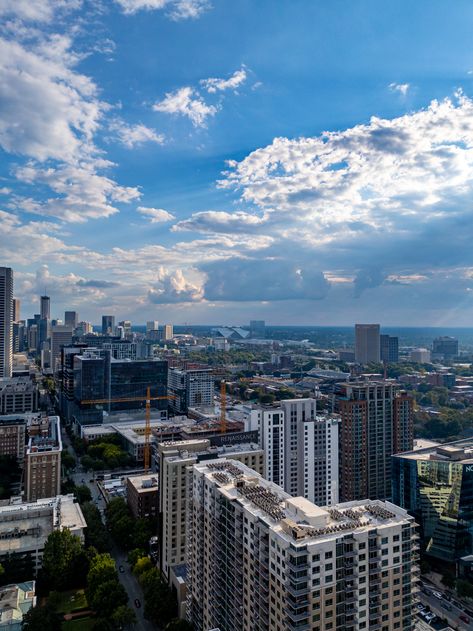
x: 168, y: 332
x: 300, y: 447
x: 71, y: 318
x: 152, y: 325
x: 175, y: 484
x: 259, y: 559
x: 376, y: 421
x: 108, y: 325
x: 389, y: 348
x: 16, y: 310
x: 367, y: 343
x: 190, y: 388
x: 6, y: 321
x: 45, y: 308
x: 43, y: 459
x: 61, y: 335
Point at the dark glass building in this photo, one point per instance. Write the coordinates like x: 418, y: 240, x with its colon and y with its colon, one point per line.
x: 435, y: 484
x: 389, y: 348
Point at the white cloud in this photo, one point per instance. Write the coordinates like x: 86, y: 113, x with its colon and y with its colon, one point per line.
x: 186, y: 102
x: 220, y: 221
x: 177, y: 9
x: 402, y: 88
x: 214, y: 85
x: 172, y: 287
x: 36, y: 10
x: 155, y: 215
x: 134, y: 135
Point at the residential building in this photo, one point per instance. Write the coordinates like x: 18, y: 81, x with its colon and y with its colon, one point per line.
x: 25, y: 527
x: 193, y: 387
x: 269, y: 421
x: 367, y: 343
x: 389, y: 348
x: 15, y: 602
x: 71, y: 318
x: 13, y: 436
x: 16, y: 309
x: 45, y: 308
x: 373, y: 427
x: 420, y: 355
x: 435, y: 484
x: 174, y: 460
x: 445, y: 347
x: 142, y: 495
x: 108, y: 325
x: 6, y: 322
x: 258, y: 558
x: 257, y: 329
x: 168, y: 332
x: 42, y: 475
x: 18, y: 395
x: 61, y: 335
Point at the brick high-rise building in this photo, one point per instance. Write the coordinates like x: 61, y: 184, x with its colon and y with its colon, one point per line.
x: 43, y: 459
x: 13, y: 436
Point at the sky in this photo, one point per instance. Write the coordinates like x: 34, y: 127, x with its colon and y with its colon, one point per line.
x: 216, y: 161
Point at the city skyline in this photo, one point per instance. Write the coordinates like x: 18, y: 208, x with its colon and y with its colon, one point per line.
x: 279, y: 176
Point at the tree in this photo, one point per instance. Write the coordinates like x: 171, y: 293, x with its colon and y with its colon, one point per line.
x: 160, y: 604
x: 179, y: 625
x: 134, y: 555
x: 96, y: 534
x: 41, y: 618
x: 82, y: 493
x: 448, y: 579
x: 68, y: 460
x: 64, y: 561
x: 102, y: 569
x: 142, y: 565
x: 123, y: 616
x: 465, y: 588
x: 107, y: 597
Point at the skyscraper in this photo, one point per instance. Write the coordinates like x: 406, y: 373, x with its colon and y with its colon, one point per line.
x: 45, y: 308
x: 6, y: 321
x: 61, y: 335
x: 16, y: 309
x: 152, y: 325
x: 108, y: 325
x: 258, y: 329
x: 367, y: 343
x: 258, y: 558
x: 376, y: 422
x: 389, y: 348
x: 71, y: 318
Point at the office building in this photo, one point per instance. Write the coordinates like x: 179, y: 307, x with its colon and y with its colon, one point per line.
x: 258, y: 558
x: 18, y: 395
x: 32, y: 338
x: 142, y: 496
x: 16, y: 601
x: 168, y: 332
x: 71, y: 318
x: 45, y: 308
x: 435, y: 484
x: 420, y: 355
x: 44, y: 333
x: 108, y: 325
x: 257, y: 329
x: 174, y: 460
x: 61, y: 335
x: 445, y: 347
x: 43, y: 459
x: 193, y: 387
x: 13, y: 436
x: 389, y: 349
x: 84, y: 328
x: 16, y: 310
x: 25, y: 528
x: 374, y: 425
x: 367, y: 343
x: 6, y: 321
x: 126, y: 326
x: 152, y: 325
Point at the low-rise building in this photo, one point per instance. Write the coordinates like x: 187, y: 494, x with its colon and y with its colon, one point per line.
x: 15, y: 601
x: 18, y: 395
x: 142, y: 495
x: 13, y: 436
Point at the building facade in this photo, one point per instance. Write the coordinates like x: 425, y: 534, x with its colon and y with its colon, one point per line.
x: 108, y: 325
x: 367, y: 343
x: 6, y: 322
x: 13, y: 437
x: 389, y: 348
x: 190, y: 388
x: 42, y: 475
x: 259, y: 559
x: 18, y: 395
x: 142, y: 496
x: 61, y: 335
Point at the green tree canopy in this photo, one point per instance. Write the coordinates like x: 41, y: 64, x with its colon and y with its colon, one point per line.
x: 41, y: 619
x: 64, y: 560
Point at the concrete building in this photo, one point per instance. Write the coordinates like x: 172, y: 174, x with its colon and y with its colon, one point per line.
x: 6, y: 322
x: 190, y: 388
x: 258, y: 558
x: 374, y: 425
x: 25, y: 528
x: 152, y: 325
x: 71, y: 318
x: 389, y: 348
x: 175, y: 489
x: 15, y: 602
x: 18, y: 395
x: 420, y: 355
x: 269, y: 421
x: 168, y: 332
x: 16, y: 310
x: 142, y: 495
x: 367, y: 343
x: 13, y: 436
x: 61, y: 335
x: 42, y: 475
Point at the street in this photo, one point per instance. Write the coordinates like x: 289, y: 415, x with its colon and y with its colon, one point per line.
x: 451, y: 616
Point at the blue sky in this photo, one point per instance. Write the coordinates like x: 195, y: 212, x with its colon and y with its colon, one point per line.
x: 301, y: 161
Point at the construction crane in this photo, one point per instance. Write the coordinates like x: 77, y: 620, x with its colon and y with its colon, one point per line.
x: 223, y: 406
x: 147, y: 399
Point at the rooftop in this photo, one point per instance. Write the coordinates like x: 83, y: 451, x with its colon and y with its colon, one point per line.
x: 460, y: 451
x: 143, y: 483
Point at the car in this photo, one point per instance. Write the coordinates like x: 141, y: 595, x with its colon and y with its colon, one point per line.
x: 446, y: 606
x: 137, y: 603
x: 464, y: 618
x: 429, y: 617
x: 121, y: 568
x: 91, y: 481
x: 420, y: 606
x: 437, y: 594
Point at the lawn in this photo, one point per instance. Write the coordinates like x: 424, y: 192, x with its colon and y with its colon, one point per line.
x: 81, y: 624
x: 71, y: 601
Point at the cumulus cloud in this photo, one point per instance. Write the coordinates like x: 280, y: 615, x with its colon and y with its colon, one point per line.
x: 155, y: 215
x: 220, y: 221
x: 213, y: 85
x: 402, y: 88
x: 186, y: 102
x: 36, y: 10
x: 173, y: 287
x: 177, y: 9
x: 134, y: 135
